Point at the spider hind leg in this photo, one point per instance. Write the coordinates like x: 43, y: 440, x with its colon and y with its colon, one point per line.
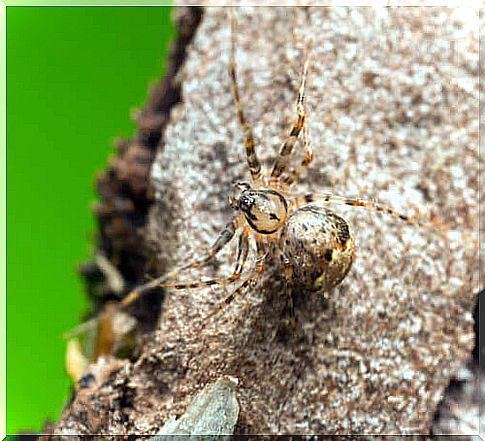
x: 329, y: 198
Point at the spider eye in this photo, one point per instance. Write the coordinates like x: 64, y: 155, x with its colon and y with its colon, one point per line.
x: 246, y: 201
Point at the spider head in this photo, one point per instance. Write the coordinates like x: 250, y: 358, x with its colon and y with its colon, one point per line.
x: 264, y: 210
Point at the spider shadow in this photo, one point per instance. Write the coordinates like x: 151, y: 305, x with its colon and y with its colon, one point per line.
x: 311, y: 309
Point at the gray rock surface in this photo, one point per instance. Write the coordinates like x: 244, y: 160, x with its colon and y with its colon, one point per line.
x: 392, y: 98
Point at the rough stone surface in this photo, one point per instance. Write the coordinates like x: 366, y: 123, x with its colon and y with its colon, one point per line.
x: 393, y: 114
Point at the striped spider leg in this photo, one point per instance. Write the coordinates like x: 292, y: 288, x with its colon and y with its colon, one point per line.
x: 330, y: 198
x: 262, y: 254
x: 282, y: 160
x: 252, y: 159
x: 289, y: 180
x: 224, y: 237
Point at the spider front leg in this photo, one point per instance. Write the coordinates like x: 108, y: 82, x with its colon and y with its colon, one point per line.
x: 287, y: 147
x: 161, y: 282
x: 354, y: 202
x: 253, y: 162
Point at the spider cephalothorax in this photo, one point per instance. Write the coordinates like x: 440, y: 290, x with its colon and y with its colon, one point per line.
x: 264, y: 210
x: 314, y: 244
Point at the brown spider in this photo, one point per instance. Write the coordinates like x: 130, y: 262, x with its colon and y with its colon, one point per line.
x: 314, y: 244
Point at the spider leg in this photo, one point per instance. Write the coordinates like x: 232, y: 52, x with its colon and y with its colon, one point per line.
x: 222, y: 240
x: 104, y: 319
x: 289, y: 292
x: 242, y: 252
x: 250, y: 280
x: 253, y: 162
x: 287, y: 147
x: 355, y: 202
x: 306, y: 161
x: 242, y: 255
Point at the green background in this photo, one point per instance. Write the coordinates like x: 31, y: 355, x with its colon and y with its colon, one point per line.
x: 74, y: 74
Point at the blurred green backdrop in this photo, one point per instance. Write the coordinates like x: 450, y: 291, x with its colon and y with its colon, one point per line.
x: 73, y: 76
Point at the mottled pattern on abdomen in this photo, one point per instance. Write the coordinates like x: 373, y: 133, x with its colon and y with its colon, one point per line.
x: 320, y: 247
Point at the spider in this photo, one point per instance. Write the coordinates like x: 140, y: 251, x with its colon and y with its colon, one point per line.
x: 314, y: 244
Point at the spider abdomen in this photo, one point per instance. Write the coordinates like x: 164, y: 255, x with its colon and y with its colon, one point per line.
x: 319, y: 246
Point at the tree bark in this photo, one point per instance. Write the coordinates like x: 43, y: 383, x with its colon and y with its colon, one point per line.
x: 392, y: 98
